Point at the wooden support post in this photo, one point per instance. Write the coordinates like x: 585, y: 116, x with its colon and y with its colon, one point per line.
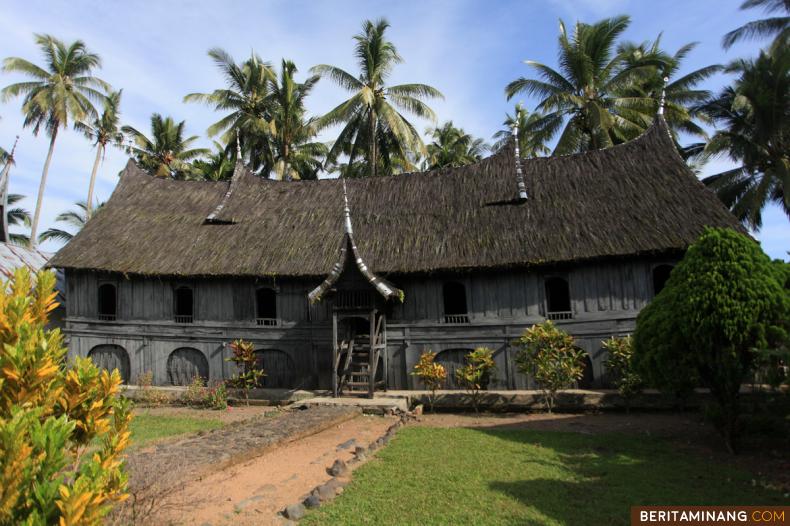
x: 384, y: 350
x: 334, y: 355
x: 372, y: 355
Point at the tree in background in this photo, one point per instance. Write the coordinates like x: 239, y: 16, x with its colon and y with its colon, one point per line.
x: 549, y: 355
x: 620, y: 364
x: 214, y: 166
x: 451, y: 146
x: 76, y: 219
x: 531, y: 143
x: 722, y: 302
x: 102, y: 130
x: 63, y: 427
x: 682, y: 95
x: 604, y: 93
x: 373, y: 126
x: 754, y: 116
x: 167, y: 153
x: 296, y: 154
x: 17, y: 216
x: 584, y: 92
x: 432, y: 374
x: 61, y: 91
x: 777, y: 27
x: 247, y: 97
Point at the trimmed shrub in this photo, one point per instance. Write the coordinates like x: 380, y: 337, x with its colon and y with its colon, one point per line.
x: 550, y: 357
x: 63, y: 427
x: 722, y: 302
x: 432, y: 374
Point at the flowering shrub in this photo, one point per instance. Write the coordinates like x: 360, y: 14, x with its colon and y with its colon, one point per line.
x: 432, y: 374
x: 549, y: 355
x: 476, y: 374
x: 63, y: 428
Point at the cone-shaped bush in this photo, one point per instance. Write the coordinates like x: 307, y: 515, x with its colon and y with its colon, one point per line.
x: 723, y: 303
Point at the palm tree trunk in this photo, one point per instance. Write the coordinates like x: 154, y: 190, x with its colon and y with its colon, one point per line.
x: 41, y: 186
x: 89, y: 202
x: 372, y: 143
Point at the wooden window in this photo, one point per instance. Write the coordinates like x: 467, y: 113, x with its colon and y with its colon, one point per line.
x: 455, y: 309
x: 660, y: 276
x: 558, y: 299
x: 266, y: 307
x: 184, y: 305
x: 107, y: 302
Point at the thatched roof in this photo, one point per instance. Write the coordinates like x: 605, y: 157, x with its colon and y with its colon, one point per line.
x: 635, y: 198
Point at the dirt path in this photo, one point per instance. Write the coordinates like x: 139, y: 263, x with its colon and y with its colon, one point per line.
x: 253, y: 492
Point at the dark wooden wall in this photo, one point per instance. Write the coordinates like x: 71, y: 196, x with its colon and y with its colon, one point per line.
x: 605, y: 299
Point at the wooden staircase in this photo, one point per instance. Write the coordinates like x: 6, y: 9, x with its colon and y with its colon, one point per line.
x: 357, y: 356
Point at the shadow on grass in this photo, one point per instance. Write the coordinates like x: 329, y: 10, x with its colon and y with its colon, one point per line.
x: 597, y: 478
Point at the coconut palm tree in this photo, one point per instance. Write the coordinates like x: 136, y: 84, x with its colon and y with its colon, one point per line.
x: 373, y: 124
x: 62, y: 90
x: 296, y: 154
x: 582, y: 99
x: 777, y: 27
x: 451, y: 146
x: 73, y: 219
x: 531, y: 142
x: 17, y: 216
x: 248, y: 98
x: 102, y: 130
x: 754, y: 115
x: 215, y: 166
x: 166, y: 153
x: 681, y: 93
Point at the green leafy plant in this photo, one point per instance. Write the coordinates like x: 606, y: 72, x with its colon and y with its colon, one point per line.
x: 550, y: 357
x: 432, y: 374
x: 620, y: 364
x: 475, y: 375
x: 723, y: 301
x: 196, y: 392
x: 63, y: 427
x: 249, y: 373
x: 217, y: 396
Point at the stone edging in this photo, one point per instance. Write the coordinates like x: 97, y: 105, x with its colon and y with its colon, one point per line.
x: 327, y: 491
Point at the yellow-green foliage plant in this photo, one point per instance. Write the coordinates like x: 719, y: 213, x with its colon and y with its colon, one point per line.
x: 476, y: 374
x: 620, y: 364
x: 432, y: 374
x: 550, y: 356
x: 63, y: 427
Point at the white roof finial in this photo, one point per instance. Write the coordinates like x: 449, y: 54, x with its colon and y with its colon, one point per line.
x: 238, y: 146
x: 522, y: 188
x: 346, y: 209
x: 663, y: 99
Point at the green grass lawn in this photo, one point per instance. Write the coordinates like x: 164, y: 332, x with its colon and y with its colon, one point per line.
x: 516, y: 477
x: 146, y: 428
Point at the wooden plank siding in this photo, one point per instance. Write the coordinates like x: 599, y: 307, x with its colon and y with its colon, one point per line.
x: 606, y: 297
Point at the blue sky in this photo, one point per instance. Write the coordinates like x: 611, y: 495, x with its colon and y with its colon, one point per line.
x: 156, y: 52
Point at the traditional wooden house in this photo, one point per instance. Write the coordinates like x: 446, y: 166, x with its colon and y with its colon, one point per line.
x: 344, y: 283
